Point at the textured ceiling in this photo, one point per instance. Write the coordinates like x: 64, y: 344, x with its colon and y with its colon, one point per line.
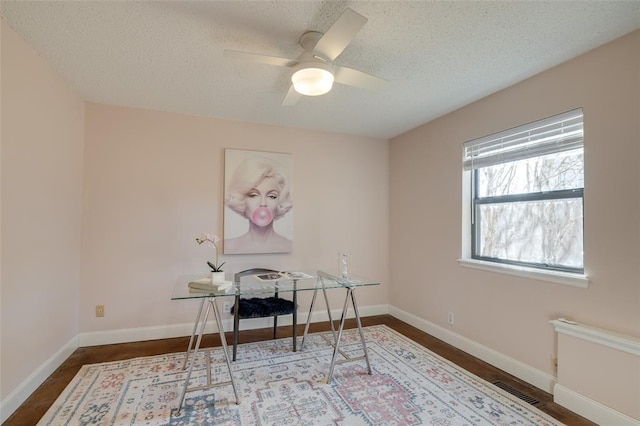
x: 438, y: 56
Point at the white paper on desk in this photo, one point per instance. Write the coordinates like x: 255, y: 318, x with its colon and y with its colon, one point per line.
x: 282, y: 275
x: 268, y: 277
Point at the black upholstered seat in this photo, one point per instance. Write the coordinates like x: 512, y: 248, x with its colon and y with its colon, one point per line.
x: 259, y: 307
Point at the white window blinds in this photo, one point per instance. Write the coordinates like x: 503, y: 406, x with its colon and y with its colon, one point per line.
x: 562, y: 132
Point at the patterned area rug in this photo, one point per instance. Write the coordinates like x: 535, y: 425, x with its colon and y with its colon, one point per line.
x: 410, y: 386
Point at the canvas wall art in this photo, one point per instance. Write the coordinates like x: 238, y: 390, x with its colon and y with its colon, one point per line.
x: 258, y: 213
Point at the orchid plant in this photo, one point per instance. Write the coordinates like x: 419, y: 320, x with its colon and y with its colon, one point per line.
x: 213, y: 240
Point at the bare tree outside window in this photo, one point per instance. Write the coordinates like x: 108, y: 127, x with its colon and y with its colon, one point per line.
x: 531, y: 211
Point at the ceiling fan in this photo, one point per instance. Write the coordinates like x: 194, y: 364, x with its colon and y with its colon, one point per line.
x: 313, y: 72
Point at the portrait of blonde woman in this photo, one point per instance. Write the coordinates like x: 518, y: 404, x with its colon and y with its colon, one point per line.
x: 258, y: 202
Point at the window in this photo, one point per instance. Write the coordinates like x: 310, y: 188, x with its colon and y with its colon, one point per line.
x: 526, y: 195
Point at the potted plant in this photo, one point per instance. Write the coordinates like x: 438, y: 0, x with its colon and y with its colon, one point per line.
x: 217, y: 274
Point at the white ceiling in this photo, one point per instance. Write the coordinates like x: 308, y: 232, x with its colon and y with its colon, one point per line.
x: 437, y: 55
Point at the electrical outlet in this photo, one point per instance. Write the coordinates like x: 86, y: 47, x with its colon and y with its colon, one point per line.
x: 226, y: 307
x: 450, y: 318
x: 99, y: 310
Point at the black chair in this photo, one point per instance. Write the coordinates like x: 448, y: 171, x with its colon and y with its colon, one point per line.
x: 261, y: 307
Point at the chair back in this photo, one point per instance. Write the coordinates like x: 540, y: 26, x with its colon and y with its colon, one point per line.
x: 252, y: 271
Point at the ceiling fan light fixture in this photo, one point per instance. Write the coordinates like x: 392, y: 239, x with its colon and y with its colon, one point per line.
x: 312, y: 79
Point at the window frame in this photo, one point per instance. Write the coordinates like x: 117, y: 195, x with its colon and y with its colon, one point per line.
x: 569, y: 275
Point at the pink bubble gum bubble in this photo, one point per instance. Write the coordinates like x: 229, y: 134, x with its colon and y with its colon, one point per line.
x: 262, y: 216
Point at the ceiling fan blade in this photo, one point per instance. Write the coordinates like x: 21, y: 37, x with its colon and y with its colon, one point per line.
x: 292, y: 97
x: 334, y: 41
x: 359, y: 79
x: 271, y: 60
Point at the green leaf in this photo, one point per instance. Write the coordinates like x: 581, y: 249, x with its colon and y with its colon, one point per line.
x: 215, y: 268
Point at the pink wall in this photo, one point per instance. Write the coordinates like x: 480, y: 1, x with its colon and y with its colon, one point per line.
x: 506, y: 313
x: 154, y: 181
x: 42, y: 144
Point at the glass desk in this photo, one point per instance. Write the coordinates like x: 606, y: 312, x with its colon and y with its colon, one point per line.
x: 248, y: 286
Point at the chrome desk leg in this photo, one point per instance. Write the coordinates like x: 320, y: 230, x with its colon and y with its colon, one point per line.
x: 195, y: 354
x: 350, y: 294
x: 223, y: 340
x: 337, y: 341
x: 313, y: 301
x: 193, y: 333
x: 364, y: 344
x: 326, y: 302
x: 306, y: 327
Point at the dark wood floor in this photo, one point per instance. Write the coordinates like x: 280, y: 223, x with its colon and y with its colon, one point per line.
x: 34, y: 408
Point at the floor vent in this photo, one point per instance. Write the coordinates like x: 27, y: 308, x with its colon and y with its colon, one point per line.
x: 515, y: 392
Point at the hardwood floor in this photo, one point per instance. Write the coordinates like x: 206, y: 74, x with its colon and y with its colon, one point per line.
x: 37, y: 404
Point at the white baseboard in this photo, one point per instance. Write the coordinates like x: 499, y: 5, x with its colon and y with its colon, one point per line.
x: 28, y: 386
x: 512, y: 366
x: 180, y: 330
x: 592, y: 410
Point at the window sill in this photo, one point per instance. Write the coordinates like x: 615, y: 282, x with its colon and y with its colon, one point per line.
x: 564, y: 278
